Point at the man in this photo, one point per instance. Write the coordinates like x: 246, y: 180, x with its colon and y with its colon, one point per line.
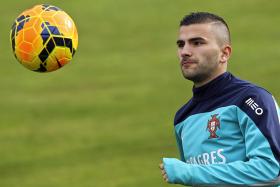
x: 229, y: 131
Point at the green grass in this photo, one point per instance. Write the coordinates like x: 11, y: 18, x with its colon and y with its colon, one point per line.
x: 106, y: 119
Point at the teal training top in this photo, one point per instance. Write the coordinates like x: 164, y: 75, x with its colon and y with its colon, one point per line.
x: 228, y: 133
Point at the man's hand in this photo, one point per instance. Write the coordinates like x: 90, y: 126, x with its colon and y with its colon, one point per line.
x: 163, y: 173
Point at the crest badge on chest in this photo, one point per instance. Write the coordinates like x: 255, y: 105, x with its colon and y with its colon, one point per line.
x: 212, y: 126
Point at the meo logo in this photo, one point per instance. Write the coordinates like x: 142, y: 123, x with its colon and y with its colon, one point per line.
x: 251, y: 103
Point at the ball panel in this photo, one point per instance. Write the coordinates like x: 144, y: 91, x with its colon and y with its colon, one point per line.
x: 61, y: 53
x: 26, y: 47
x: 19, y: 38
x: 37, y: 45
x: 24, y: 56
x: 29, y: 35
x: 52, y: 63
x: 44, y: 54
x: 32, y: 65
x: 50, y: 45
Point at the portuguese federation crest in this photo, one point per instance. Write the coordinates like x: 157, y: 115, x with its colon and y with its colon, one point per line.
x: 212, y: 126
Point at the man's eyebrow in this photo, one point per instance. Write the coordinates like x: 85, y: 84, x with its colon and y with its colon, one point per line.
x: 180, y: 41
x: 196, y: 39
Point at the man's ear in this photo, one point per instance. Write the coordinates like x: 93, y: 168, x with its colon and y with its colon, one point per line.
x: 226, y: 52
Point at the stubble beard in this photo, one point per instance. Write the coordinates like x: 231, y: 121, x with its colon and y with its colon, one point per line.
x: 195, y: 77
x: 198, y: 75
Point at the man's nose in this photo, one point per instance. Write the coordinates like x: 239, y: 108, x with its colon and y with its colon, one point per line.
x: 186, y: 51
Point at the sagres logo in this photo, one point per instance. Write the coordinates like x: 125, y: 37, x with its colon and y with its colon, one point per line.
x: 213, y: 125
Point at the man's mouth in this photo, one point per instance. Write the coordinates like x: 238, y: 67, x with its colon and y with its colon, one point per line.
x: 187, y: 63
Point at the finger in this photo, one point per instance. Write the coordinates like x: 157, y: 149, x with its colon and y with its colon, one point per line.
x: 161, y: 166
x: 165, y: 178
x: 163, y: 172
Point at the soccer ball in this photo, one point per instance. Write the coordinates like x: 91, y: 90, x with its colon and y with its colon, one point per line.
x: 44, y: 38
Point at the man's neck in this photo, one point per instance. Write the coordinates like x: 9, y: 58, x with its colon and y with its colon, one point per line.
x: 202, y: 83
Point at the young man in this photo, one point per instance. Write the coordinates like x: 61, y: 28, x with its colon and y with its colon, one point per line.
x: 229, y: 131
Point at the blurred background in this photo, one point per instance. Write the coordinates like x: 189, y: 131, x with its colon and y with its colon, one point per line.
x: 106, y: 119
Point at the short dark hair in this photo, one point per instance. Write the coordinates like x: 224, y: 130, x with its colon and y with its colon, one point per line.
x: 203, y: 17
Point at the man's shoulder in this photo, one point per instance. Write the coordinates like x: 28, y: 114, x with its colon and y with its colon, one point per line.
x: 252, y: 98
x: 245, y: 87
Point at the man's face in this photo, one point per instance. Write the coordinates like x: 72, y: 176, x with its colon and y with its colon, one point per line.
x: 199, y: 52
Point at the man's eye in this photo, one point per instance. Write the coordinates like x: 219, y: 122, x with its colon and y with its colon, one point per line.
x: 180, y: 44
x: 197, y: 43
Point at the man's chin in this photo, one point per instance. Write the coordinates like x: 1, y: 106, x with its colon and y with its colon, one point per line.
x: 188, y: 75
x: 192, y: 77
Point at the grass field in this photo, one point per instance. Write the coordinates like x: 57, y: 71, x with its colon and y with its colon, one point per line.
x: 106, y: 119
